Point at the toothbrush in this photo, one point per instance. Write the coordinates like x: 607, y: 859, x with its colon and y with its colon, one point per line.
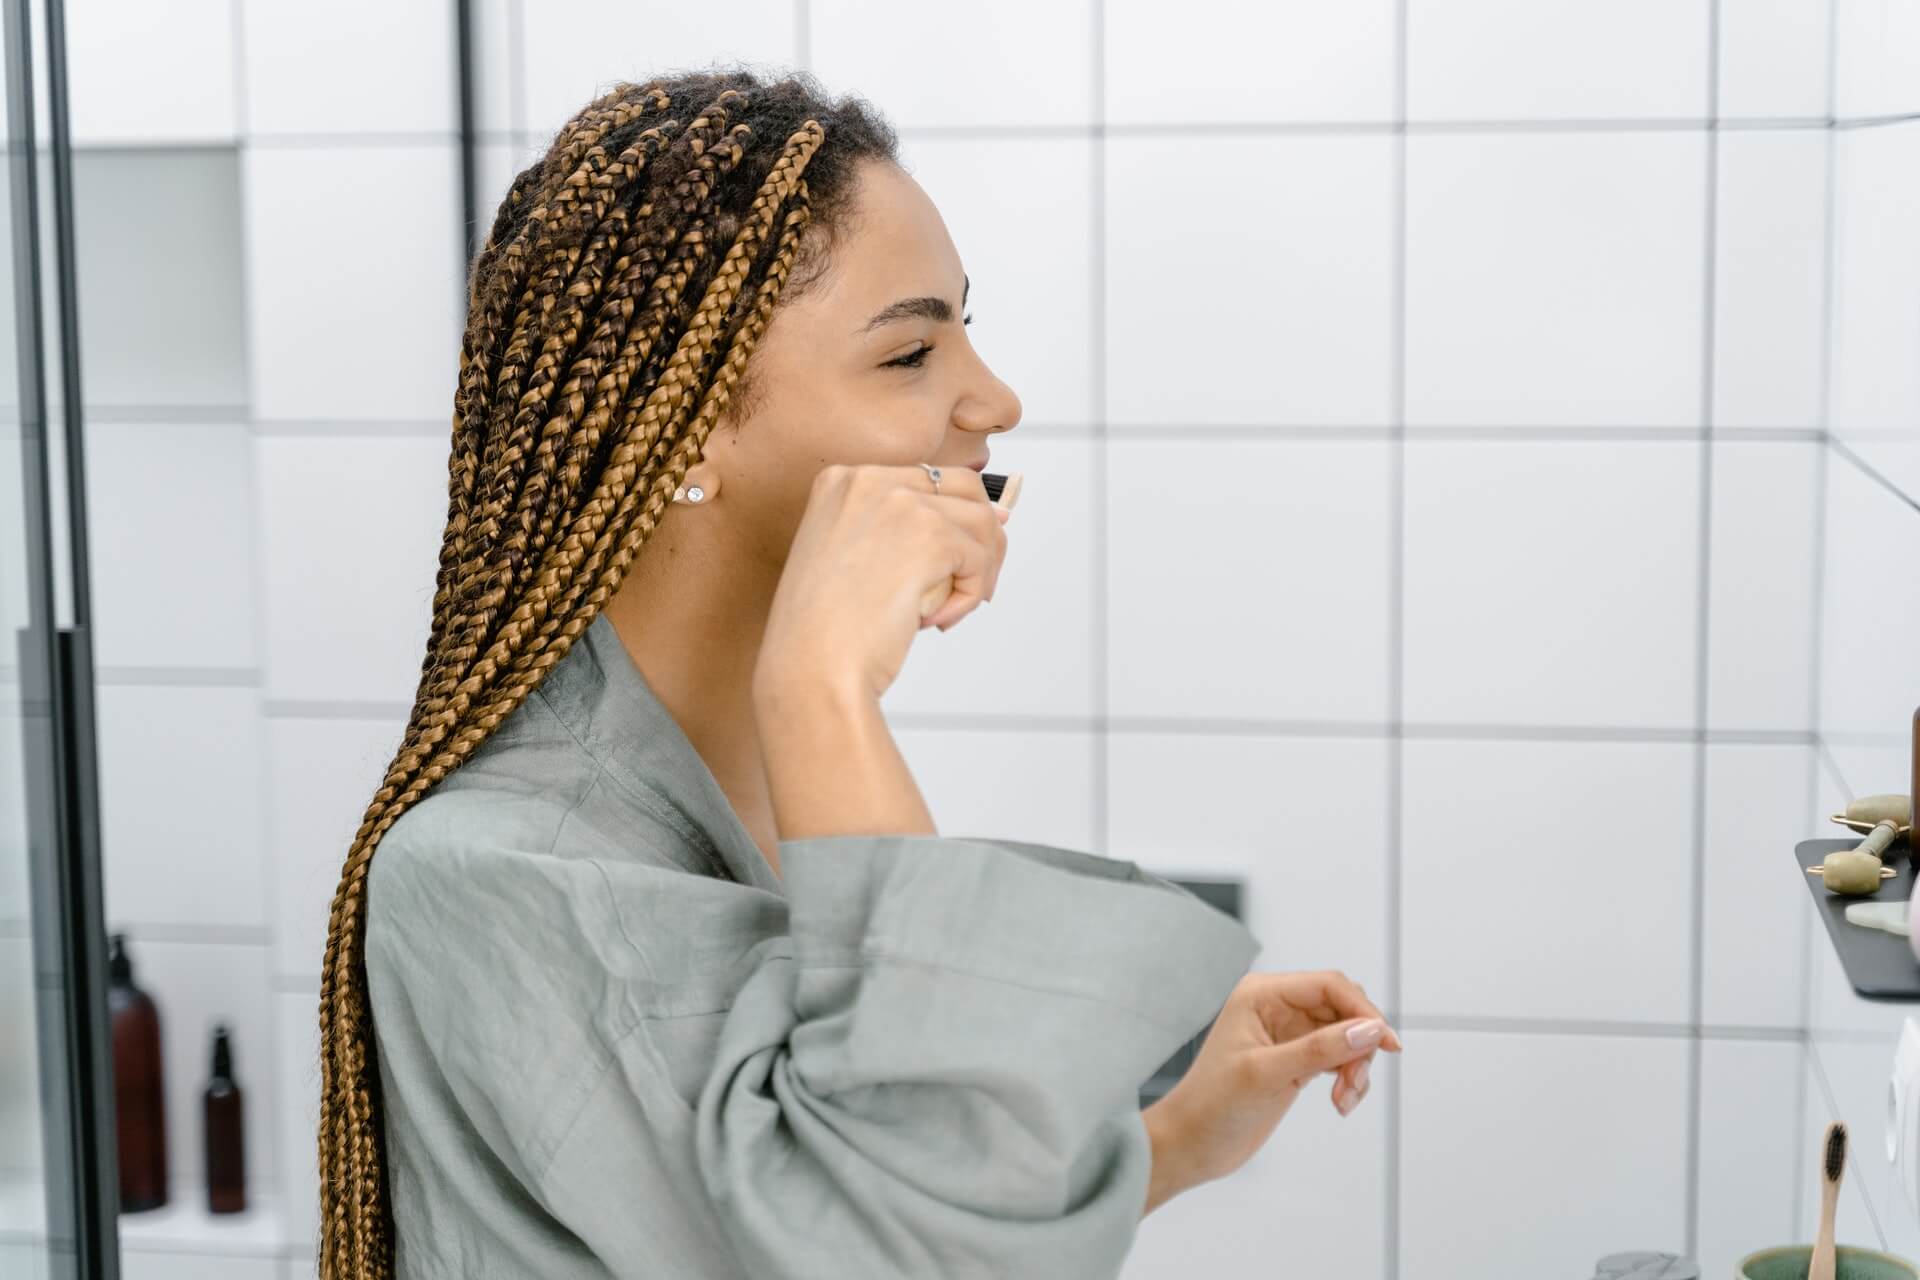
x: 1003, y: 491
x: 1833, y: 1165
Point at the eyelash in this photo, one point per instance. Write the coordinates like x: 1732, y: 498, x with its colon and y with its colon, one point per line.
x: 914, y: 359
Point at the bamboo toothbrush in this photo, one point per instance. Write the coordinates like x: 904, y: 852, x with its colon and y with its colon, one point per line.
x: 1833, y: 1164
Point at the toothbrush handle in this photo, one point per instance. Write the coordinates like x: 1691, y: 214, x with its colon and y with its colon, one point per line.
x: 1822, y: 1263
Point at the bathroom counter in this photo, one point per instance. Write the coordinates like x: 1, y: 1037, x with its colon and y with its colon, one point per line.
x: 1878, y: 964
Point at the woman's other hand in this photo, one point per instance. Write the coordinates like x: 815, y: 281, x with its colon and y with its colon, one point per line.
x: 1277, y: 1032
x: 873, y: 541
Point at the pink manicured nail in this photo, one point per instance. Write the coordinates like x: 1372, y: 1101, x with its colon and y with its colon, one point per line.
x: 1367, y: 1034
x: 1360, y: 1077
x: 1004, y: 514
x: 1346, y: 1102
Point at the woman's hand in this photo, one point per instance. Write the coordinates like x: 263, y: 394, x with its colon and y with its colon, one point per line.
x: 1277, y: 1032
x: 871, y: 543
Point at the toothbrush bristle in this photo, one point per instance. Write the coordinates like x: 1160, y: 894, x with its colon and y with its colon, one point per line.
x: 1836, y: 1151
x: 994, y: 483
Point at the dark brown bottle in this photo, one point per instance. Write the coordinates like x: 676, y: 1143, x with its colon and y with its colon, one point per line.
x: 139, y: 1093
x: 226, y: 1138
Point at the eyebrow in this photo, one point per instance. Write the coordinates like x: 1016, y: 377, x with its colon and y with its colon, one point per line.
x: 930, y: 308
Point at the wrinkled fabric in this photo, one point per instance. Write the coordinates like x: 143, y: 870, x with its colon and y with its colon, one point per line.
x: 613, y: 1043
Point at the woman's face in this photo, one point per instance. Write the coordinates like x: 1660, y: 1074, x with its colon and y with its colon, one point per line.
x: 871, y: 363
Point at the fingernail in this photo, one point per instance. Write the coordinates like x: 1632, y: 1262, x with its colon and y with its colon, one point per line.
x: 1366, y: 1035
x: 1360, y: 1077
x: 1004, y: 514
x: 1346, y: 1103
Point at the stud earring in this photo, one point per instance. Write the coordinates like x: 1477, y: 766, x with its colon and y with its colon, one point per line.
x: 689, y: 493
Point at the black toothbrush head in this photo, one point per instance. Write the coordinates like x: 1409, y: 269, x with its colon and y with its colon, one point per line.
x: 994, y: 482
x: 1836, y: 1151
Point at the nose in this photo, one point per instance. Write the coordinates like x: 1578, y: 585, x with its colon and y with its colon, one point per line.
x: 989, y: 405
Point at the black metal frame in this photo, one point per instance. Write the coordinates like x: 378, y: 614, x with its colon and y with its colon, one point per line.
x: 57, y: 698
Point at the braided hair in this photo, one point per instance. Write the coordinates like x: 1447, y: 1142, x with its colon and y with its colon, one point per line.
x: 625, y: 282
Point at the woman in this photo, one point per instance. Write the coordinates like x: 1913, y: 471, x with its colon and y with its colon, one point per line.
x: 662, y: 969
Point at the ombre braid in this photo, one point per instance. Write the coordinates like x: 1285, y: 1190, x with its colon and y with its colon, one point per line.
x: 625, y: 282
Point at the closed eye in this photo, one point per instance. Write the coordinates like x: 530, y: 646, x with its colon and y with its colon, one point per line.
x: 918, y: 356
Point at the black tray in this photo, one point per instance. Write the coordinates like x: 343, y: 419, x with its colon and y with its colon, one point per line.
x: 1880, y: 965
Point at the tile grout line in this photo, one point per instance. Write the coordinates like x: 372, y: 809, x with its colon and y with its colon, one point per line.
x: 1097, y: 277
x: 1397, y: 641
x: 1703, y: 623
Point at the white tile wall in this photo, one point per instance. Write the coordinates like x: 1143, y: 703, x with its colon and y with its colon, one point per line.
x: 1568, y: 1147
x: 1015, y: 784
x: 1876, y: 325
x: 170, y: 756
x: 1877, y: 51
x: 1507, y: 326
x: 148, y: 476
x: 1245, y: 579
x: 1774, y: 58
x: 351, y: 528
x: 1769, y: 278
x: 1753, y: 914
x: 120, y: 93
x: 1556, y: 59
x: 1287, y: 61
x: 1299, y: 820
x: 400, y: 58
x: 1552, y: 582
x: 1279, y: 312
x: 1547, y: 880
x: 1762, y: 618
x: 353, y: 299
x: 323, y: 774
x: 574, y: 50
x: 1750, y: 1148
x: 1869, y: 682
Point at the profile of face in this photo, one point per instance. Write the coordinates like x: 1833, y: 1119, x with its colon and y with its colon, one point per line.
x: 870, y: 363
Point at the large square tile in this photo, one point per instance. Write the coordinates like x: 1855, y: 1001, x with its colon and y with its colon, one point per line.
x: 1759, y: 801
x: 1750, y: 1148
x: 1311, y: 1202
x: 158, y: 264
x: 147, y: 1264
x: 1031, y: 296
x: 1876, y: 58
x: 925, y: 65
x: 1248, y: 580
x: 1230, y: 61
x: 1552, y: 583
x: 1280, y: 316
x: 1850, y: 1085
x: 322, y: 776
x: 575, y: 50
x: 1556, y: 60
x: 1005, y: 784
x: 355, y: 265
x: 1528, y: 877
x: 1770, y: 278
x: 172, y: 542
x: 1875, y: 395
x: 1869, y: 679
x: 1555, y: 279
x: 352, y: 528
x: 1303, y: 821
x: 1774, y: 58
x: 399, y: 61
x: 1566, y: 1148
x: 145, y: 74
x: 196, y: 986
x: 171, y: 756
x: 297, y: 1020
x: 1029, y: 651
x: 1761, y: 613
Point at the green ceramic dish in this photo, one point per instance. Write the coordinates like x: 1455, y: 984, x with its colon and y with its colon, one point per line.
x: 1789, y: 1262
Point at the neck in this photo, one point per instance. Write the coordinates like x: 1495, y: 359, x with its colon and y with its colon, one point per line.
x: 692, y: 611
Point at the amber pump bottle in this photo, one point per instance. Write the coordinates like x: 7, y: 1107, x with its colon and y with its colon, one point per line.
x: 139, y: 1095
x: 226, y: 1142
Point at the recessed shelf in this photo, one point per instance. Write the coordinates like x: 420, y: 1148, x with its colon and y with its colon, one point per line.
x: 1879, y: 965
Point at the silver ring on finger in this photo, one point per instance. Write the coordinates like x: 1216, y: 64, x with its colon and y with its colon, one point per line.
x: 933, y: 474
